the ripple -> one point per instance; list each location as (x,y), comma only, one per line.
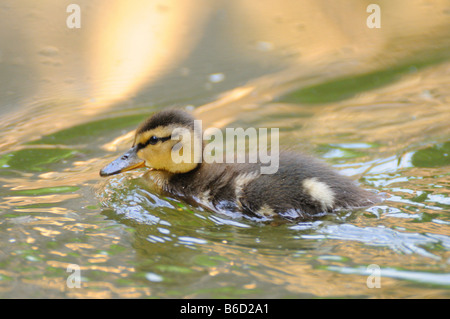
(441,279)
(407,243)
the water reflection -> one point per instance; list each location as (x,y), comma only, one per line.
(237,250)
(398,241)
(373,103)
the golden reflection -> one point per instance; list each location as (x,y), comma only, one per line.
(121,140)
(136,42)
(47,283)
(47,232)
(120,48)
(407,112)
(124,47)
(98,259)
(79,246)
(52,210)
(110,269)
(102,290)
(398,119)
(30,200)
(235,95)
(55,252)
(324,41)
(77,227)
(97,290)
(300,277)
(53,219)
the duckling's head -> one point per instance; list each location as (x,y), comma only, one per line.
(165,141)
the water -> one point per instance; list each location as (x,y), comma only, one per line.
(379,114)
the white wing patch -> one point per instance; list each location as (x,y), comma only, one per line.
(319,191)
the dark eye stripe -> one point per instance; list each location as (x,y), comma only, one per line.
(152,141)
(163,139)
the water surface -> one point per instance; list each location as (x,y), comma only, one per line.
(375,106)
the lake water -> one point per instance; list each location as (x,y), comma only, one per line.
(373,103)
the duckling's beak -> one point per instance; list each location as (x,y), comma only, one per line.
(126,162)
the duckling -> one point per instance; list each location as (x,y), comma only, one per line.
(302,188)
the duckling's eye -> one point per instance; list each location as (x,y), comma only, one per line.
(153,140)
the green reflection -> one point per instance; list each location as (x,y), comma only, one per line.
(434,156)
(36,159)
(227,292)
(174,269)
(347,87)
(78,134)
(209,261)
(47,190)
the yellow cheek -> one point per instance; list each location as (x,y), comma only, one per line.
(154,156)
(159,157)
